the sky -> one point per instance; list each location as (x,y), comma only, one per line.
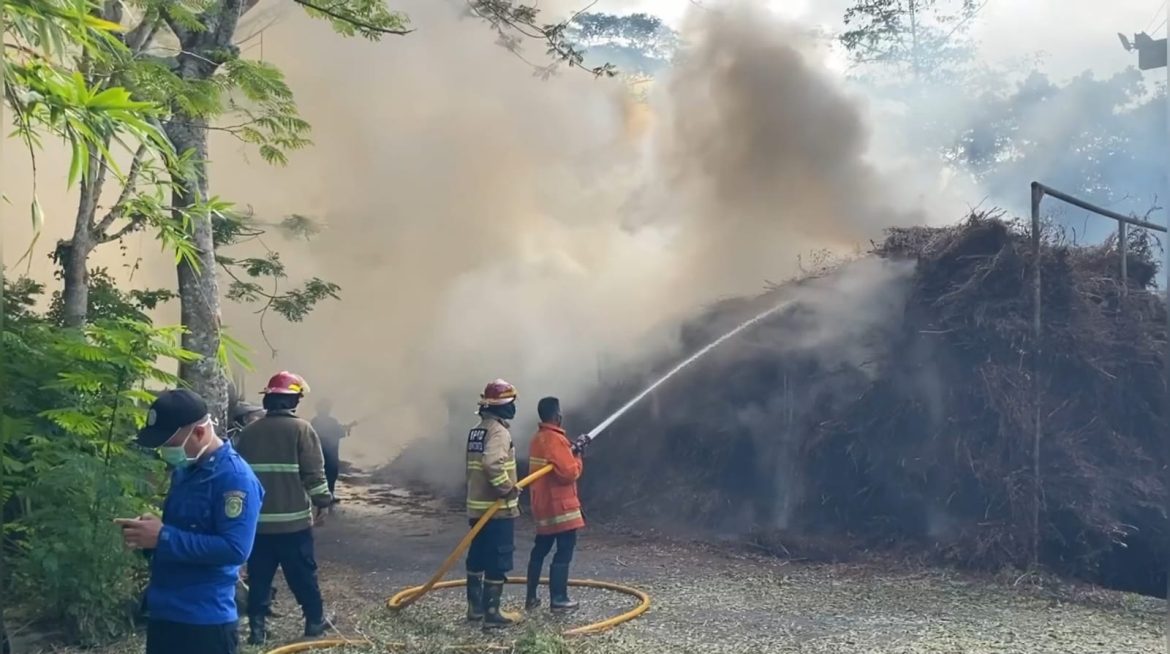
(1074,35)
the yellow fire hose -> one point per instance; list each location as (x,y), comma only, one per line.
(408,596)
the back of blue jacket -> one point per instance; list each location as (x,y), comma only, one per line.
(209,524)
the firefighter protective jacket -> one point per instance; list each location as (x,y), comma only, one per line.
(285,454)
(491,469)
(209,524)
(555,506)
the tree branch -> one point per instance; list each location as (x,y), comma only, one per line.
(350,19)
(119,208)
(136,221)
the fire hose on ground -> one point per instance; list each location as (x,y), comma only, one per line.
(408,596)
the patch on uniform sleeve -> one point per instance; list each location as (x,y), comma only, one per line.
(233,504)
(475,439)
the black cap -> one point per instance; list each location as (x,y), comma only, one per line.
(171,411)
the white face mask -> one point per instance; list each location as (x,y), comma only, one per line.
(176,455)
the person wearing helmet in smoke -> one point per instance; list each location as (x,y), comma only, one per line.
(491,476)
(285,453)
(331,431)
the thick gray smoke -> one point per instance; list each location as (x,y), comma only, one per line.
(485,223)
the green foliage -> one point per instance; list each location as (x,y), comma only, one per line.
(72,403)
(515,22)
(370,19)
(106,299)
(926,38)
(542,642)
(638,43)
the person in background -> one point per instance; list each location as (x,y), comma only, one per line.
(206,532)
(285,453)
(491,476)
(331,431)
(243,414)
(555,506)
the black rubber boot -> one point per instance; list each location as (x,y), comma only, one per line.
(475,597)
(493,617)
(532,601)
(317,628)
(257,634)
(558,583)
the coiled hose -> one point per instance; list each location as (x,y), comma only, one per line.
(408,596)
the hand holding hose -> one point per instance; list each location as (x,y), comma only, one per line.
(580,444)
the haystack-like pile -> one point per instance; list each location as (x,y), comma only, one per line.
(917,431)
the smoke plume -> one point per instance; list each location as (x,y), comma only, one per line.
(485,223)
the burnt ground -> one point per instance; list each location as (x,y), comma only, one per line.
(707,598)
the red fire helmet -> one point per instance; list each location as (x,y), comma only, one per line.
(498,393)
(286,383)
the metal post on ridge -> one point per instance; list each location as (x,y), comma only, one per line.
(1039,192)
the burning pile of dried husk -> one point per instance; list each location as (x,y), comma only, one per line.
(927,446)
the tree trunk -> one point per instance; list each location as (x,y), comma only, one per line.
(199,287)
(201,53)
(73,255)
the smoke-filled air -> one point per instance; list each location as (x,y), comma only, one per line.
(485,223)
(822,327)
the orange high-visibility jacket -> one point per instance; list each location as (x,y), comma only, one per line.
(555,506)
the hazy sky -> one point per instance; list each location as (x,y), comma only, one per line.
(1074,34)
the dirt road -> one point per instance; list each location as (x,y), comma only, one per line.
(710,599)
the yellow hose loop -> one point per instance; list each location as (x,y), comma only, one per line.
(596,627)
(419,591)
(310,645)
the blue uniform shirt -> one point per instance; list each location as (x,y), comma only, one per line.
(209,524)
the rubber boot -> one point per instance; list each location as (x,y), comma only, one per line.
(532,601)
(475,597)
(317,628)
(493,617)
(257,633)
(558,583)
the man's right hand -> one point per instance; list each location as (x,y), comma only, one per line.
(318,516)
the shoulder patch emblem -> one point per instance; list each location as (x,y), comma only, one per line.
(233,504)
(475,440)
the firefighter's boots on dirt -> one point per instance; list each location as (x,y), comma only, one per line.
(317,628)
(493,617)
(558,583)
(532,601)
(475,597)
(257,633)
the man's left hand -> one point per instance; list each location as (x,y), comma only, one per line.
(142,533)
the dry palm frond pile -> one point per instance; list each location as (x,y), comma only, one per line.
(899,411)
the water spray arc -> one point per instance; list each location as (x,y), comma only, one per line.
(408,596)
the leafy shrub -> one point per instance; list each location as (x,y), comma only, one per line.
(73,401)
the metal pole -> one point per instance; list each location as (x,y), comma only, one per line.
(1166,294)
(1123,248)
(1037,196)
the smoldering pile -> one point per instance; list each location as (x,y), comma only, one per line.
(915,430)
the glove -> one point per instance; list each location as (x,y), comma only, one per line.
(512,494)
(579,444)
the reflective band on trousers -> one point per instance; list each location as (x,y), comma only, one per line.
(560,519)
(275,467)
(535,464)
(286,517)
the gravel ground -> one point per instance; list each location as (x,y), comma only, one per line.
(705,598)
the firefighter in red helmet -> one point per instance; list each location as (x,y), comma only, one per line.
(491,476)
(285,453)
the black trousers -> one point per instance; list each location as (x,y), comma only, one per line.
(566,542)
(292,553)
(332,458)
(491,549)
(176,638)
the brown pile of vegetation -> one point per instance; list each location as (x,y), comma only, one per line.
(926,442)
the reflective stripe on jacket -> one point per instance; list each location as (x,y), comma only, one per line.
(285,454)
(491,469)
(555,505)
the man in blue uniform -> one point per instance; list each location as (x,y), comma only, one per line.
(205,535)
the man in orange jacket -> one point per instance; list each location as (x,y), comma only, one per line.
(555,506)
